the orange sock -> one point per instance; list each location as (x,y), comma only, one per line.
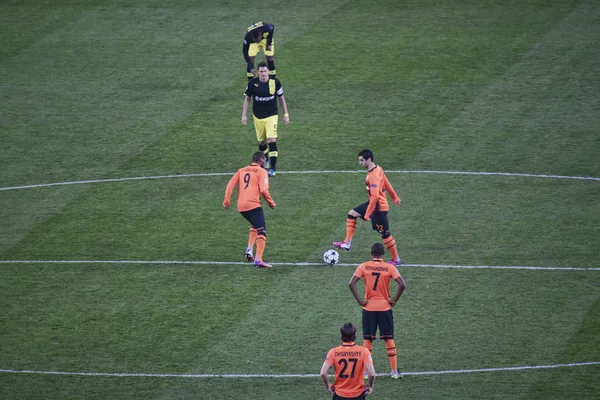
(390,243)
(350,229)
(368,344)
(390,349)
(252,237)
(261,241)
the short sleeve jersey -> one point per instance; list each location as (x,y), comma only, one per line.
(264,97)
(377,275)
(266,29)
(349,361)
(252,182)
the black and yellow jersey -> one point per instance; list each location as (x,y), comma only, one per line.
(267,31)
(264,96)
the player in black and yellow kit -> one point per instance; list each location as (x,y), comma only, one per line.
(265,93)
(259,35)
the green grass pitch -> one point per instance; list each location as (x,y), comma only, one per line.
(138,290)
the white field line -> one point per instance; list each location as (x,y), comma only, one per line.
(295,264)
(138,178)
(147,375)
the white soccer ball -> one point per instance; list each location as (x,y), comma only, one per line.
(331,257)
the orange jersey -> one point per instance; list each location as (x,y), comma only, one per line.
(377,275)
(253,182)
(349,362)
(377,185)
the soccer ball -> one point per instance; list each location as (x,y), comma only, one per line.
(331,257)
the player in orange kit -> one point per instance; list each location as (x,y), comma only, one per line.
(349,361)
(375,209)
(252,182)
(377,305)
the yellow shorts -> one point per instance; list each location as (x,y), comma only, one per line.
(255,48)
(266,128)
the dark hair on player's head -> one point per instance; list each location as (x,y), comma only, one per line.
(348,332)
(259,155)
(262,64)
(377,250)
(366,154)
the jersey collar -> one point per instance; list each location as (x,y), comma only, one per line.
(372,169)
